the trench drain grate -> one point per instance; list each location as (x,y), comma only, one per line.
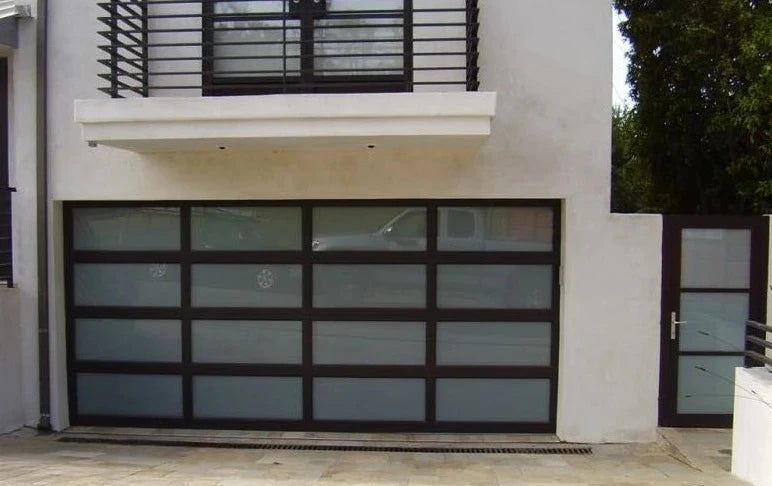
(557,450)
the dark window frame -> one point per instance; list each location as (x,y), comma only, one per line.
(430,314)
(308,81)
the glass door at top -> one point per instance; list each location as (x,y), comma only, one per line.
(344,315)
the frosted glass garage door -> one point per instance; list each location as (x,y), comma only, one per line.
(316,315)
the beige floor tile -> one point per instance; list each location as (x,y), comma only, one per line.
(27,459)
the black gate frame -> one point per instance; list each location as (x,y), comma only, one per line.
(671,288)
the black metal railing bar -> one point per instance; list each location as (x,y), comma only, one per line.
(759,354)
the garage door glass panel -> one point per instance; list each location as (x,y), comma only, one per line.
(369,229)
(136,229)
(275,342)
(129,395)
(494,286)
(715,258)
(245,228)
(493,400)
(248,397)
(371,399)
(357,286)
(495,229)
(236,285)
(706,383)
(127,284)
(369,343)
(493,343)
(713,321)
(128,340)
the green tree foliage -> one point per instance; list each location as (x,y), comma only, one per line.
(701,76)
(630,180)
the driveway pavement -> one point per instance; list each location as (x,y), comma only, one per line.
(689,458)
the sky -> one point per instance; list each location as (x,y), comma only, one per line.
(621,93)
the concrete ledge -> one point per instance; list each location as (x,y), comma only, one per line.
(752,433)
(211,123)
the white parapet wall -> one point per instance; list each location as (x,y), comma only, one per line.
(752,434)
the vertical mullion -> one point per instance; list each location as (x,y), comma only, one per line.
(306,46)
(185,283)
(431,312)
(557,231)
(69,290)
(208,19)
(407,23)
(472,44)
(757,296)
(284,14)
(145,50)
(675,345)
(307,282)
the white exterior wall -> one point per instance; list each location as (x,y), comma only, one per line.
(550,63)
(18,306)
(11,410)
(752,433)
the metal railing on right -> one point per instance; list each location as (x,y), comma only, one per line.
(759,344)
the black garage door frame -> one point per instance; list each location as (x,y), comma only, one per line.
(306,257)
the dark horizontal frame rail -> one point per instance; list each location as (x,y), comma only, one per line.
(140,33)
(758,344)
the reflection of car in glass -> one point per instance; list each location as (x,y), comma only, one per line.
(404,232)
(459,229)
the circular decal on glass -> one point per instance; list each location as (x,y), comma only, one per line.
(265,279)
(157,270)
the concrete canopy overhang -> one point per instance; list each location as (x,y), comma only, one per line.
(457,120)
(10,11)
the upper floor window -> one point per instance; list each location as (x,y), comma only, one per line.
(230,47)
(266,46)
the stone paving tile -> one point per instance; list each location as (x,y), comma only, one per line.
(26,459)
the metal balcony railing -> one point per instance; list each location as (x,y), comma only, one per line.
(759,338)
(235,47)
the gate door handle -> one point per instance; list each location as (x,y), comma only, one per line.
(674,325)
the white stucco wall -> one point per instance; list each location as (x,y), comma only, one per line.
(550,63)
(18,306)
(11,409)
(752,433)
(609,374)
